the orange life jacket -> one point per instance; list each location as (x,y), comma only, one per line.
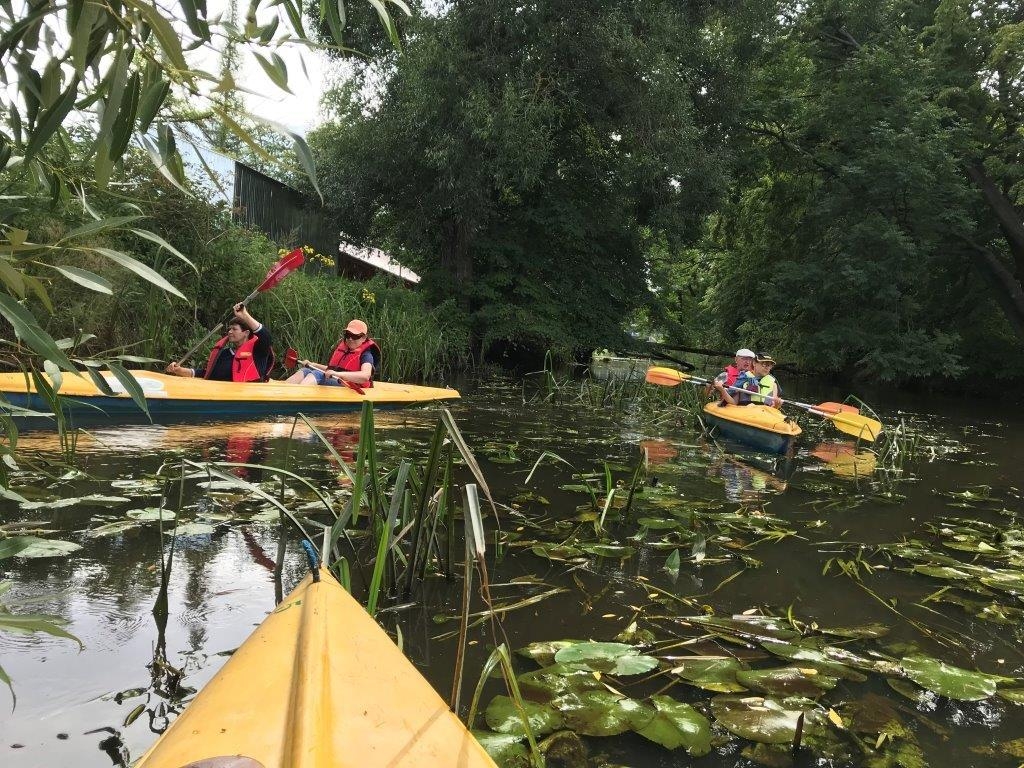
(243,366)
(344,360)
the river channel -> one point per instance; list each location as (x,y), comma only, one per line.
(822,540)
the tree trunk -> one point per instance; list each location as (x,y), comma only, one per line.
(1007,289)
(1005,284)
(456,261)
(1010,222)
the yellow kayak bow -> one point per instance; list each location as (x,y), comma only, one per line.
(318,685)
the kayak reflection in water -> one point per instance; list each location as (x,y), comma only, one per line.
(744,483)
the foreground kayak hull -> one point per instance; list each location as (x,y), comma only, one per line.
(176,396)
(319,685)
(756,426)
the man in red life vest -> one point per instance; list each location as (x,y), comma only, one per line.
(244,354)
(737,377)
(356,359)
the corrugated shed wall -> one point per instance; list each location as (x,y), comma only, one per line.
(282,213)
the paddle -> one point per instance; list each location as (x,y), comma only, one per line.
(291,359)
(284,267)
(851,423)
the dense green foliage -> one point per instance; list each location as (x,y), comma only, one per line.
(307,310)
(522,157)
(852,235)
(837,181)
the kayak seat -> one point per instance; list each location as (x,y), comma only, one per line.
(228,761)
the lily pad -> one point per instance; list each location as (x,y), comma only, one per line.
(141,485)
(787,681)
(149,514)
(556,551)
(612,658)
(759,628)
(544,652)
(711,674)
(1013,695)
(111,529)
(191,529)
(823,659)
(602,713)
(609,550)
(51,504)
(678,725)
(762,720)
(946,680)
(507,751)
(99,498)
(557,680)
(504,716)
(34,547)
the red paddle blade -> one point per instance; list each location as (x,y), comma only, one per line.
(291,358)
(284,267)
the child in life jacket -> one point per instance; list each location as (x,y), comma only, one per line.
(768,385)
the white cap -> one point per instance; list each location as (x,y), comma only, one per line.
(745,353)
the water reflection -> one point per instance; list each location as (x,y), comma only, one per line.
(225,581)
(845,460)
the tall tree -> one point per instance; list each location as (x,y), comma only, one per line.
(522,156)
(977,48)
(848,239)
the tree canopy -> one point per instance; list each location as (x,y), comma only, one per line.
(837,181)
(523,157)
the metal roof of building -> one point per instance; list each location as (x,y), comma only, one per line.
(378,259)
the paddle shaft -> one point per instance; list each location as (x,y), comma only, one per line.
(699,380)
(323,369)
(851,423)
(216,328)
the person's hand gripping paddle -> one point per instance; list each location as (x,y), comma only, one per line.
(291,359)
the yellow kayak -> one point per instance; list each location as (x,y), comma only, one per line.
(174,395)
(318,685)
(757,426)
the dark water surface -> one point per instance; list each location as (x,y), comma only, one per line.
(71,702)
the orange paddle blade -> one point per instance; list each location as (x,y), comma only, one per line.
(664,377)
(861,427)
(831,407)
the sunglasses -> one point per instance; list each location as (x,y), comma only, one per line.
(349,335)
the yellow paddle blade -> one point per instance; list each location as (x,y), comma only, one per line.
(664,377)
(855,424)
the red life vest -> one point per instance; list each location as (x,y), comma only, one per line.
(344,360)
(243,366)
(731,374)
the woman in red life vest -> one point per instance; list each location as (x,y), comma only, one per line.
(243,354)
(356,359)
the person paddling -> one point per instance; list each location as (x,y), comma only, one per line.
(738,376)
(743,363)
(355,360)
(244,354)
(768,385)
